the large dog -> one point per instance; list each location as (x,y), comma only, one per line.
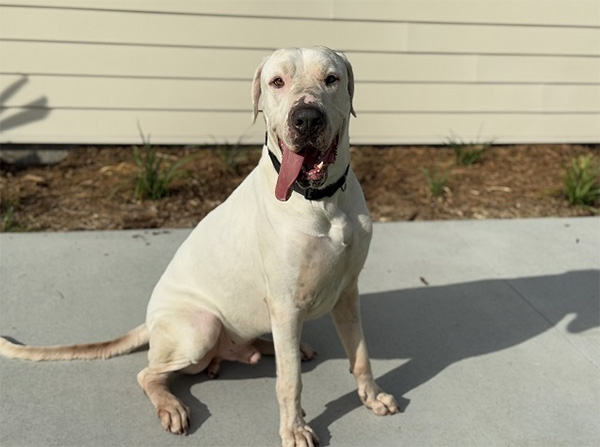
(286,246)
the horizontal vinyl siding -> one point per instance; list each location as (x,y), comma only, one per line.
(91,71)
(42,58)
(570,13)
(371,97)
(188,127)
(113,27)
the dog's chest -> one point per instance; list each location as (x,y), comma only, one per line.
(328,261)
(341,232)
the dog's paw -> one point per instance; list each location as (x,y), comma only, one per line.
(174,417)
(307,352)
(379,402)
(302,436)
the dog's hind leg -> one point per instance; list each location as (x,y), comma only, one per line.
(178,342)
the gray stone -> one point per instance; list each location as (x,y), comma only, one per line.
(33,154)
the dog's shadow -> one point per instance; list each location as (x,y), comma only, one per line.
(434,327)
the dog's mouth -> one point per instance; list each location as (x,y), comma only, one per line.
(308,167)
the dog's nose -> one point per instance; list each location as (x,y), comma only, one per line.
(307,120)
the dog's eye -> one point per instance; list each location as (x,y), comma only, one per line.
(331,79)
(277,82)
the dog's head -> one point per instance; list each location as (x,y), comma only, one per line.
(306,98)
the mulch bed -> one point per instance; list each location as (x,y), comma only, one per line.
(93,188)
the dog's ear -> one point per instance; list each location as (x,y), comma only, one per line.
(256,90)
(350,81)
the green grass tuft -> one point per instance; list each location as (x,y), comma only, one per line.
(8,221)
(436,179)
(582,181)
(153,178)
(468,154)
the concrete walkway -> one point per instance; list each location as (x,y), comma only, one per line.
(487,331)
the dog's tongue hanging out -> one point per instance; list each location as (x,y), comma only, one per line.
(291,164)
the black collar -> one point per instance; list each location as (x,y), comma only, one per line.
(313,193)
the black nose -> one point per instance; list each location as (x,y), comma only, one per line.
(307,120)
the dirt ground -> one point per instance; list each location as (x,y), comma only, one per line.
(93,188)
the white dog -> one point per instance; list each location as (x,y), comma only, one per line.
(286,246)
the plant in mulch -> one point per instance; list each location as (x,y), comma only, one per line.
(154,177)
(468,154)
(436,180)
(582,182)
(230,155)
(8,221)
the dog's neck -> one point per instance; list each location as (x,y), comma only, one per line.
(310,193)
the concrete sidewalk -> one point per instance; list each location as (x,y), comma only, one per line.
(487,331)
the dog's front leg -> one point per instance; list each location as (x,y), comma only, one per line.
(286,326)
(346,315)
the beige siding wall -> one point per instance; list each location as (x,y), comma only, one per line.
(89,71)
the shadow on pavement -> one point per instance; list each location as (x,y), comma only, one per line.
(430,328)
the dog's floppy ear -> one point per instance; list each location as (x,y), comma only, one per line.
(256,90)
(350,81)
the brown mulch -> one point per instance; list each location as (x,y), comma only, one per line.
(93,188)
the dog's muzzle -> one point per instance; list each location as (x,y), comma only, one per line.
(310,151)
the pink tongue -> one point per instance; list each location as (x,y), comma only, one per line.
(291,164)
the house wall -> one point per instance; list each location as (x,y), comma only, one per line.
(84,71)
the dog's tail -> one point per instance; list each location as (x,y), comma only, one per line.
(123,345)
